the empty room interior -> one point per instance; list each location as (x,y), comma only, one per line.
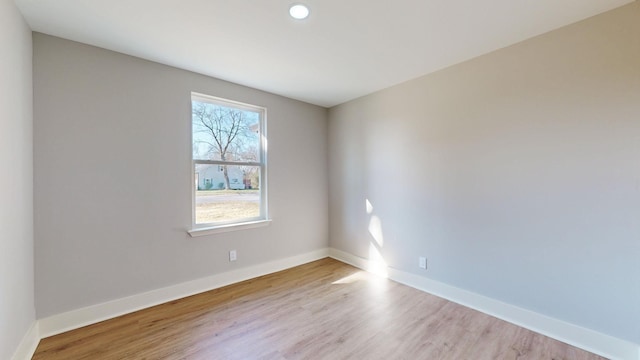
(320,180)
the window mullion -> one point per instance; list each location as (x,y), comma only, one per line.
(220,162)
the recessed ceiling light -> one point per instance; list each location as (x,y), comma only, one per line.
(299,11)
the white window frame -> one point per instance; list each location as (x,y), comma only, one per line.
(246,223)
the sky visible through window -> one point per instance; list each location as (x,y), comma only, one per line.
(227,163)
(224,133)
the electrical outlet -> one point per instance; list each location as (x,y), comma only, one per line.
(422,262)
(233,255)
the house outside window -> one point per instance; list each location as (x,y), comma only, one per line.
(229,162)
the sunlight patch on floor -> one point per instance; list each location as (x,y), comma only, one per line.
(358,276)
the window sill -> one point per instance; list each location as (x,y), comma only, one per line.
(227,228)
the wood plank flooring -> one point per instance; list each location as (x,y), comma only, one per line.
(321,310)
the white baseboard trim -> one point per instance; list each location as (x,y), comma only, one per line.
(589,340)
(583,338)
(29,343)
(74,319)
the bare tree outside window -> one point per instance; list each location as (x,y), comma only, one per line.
(228,135)
(228,160)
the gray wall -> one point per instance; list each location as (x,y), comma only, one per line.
(16,180)
(517,174)
(113,177)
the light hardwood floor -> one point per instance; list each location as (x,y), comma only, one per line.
(321,310)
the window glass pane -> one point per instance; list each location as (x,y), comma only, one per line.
(225,133)
(226,193)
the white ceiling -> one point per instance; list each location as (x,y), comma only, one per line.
(345,49)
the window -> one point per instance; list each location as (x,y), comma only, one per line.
(229,162)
